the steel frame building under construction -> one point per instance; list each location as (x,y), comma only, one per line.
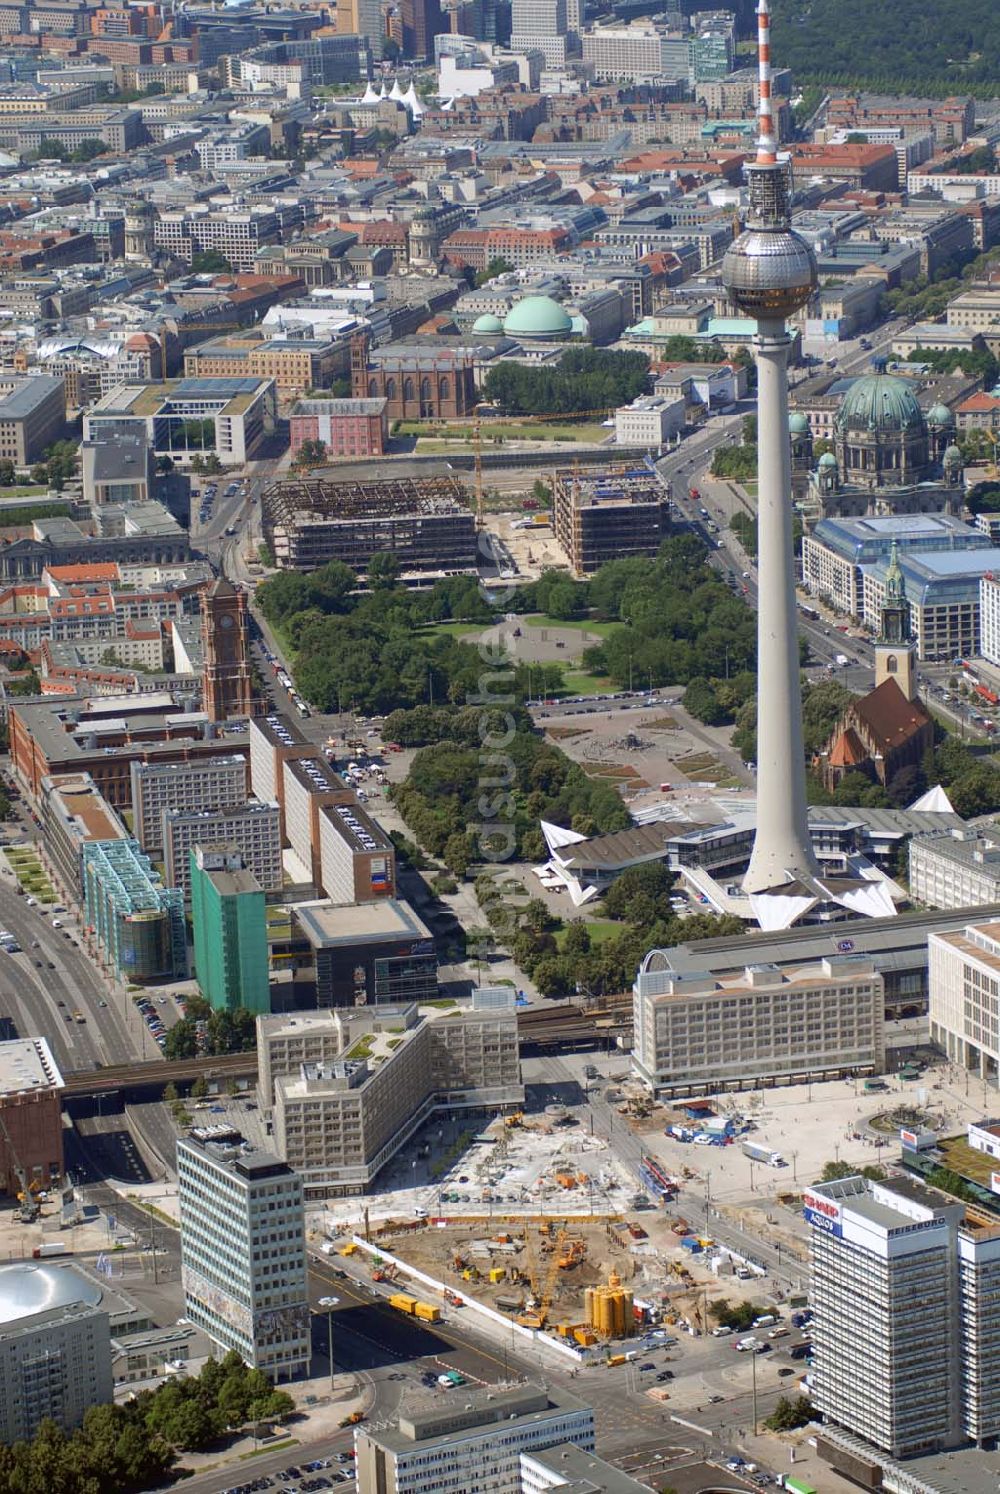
(607,513)
(426,523)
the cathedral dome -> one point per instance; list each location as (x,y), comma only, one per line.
(537,316)
(828,459)
(798,424)
(940,415)
(880,404)
(487,323)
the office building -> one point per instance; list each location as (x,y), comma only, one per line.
(964,983)
(226,688)
(441,1448)
(348,1088)
(571,1469)
(243,1254)
(637,52)
(425,522)
(31,1111)
(185,418)
(55,1361)
(229,925)
(159,788)
(104,735)
(349,428)
(769,1025)
(117,466)
(956,868)
(378,952)
(357,858)
(905,1284)
(32,416)
(137,924)
(989,609)
(601,515)
(73,812)
(650,421)
(837,552)
(253,829)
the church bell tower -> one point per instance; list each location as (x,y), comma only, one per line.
(895,655)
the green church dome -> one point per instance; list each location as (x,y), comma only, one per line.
(940,415)
(828,459)
(487,323)
(879,402)
(537,316)
(798,424)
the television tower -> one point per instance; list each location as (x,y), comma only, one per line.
(770,273)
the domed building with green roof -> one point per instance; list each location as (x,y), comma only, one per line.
(888,458)
(539,318)
(488,325)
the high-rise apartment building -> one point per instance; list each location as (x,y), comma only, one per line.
(441,1449)
(243,1254)
(229,923)
(907,1287)
(54,1363)
(157,787)
(254,829)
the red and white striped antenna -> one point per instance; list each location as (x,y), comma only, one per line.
(767,145)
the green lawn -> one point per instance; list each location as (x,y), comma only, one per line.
(579,682)
(600,930)
(454,629)
(582,624)
(452,436)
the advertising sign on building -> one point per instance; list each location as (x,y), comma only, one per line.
(821,1213)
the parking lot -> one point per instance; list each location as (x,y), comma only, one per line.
(305,1478)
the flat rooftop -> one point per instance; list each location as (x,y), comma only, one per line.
(358,829)
(280,731)
(326,925)
(27,1064)
(315,775)
(422,1419)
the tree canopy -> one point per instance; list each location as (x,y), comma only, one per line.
(585,378)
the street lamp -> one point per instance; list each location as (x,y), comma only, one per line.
(329,1303)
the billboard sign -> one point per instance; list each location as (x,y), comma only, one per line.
(822,1213)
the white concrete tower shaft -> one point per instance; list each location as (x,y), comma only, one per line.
(782,846)
(770,273)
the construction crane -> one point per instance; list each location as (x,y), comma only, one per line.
(30,1208)
(538,1315)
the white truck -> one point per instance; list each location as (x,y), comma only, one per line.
(759,1152)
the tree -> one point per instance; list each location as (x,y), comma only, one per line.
(170,1093)
(497,266)
(164,465)
(701,702)
(457,854)
(735,1315)
(88,149)
(181,1040)
(789,1414)
(199,1088)
(383,569)
(311,454)
(210,262)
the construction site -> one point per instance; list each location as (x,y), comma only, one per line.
(427,523)
(608,514)
(576,1253)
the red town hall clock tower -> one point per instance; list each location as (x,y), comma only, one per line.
(226,686)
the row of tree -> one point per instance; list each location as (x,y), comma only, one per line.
(125,1448)
(202,1029)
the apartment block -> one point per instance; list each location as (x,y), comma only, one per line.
(161,788)
(769,1025)
(310,786)
(357,858)
(956,868)
(275,740)
(253,829)
(443,1448)
(243,1254)
(54,1365)
(906,1284)
(348,1088)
